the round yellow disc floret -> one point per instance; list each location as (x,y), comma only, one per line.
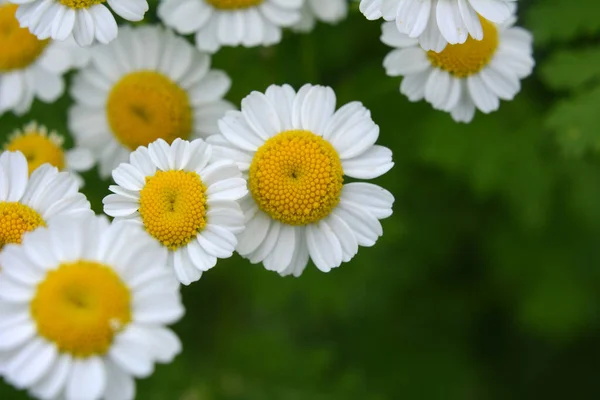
(145,106)
(234,4)
(173,207)
(38,148)
(18,47)
(80,306)
(15,220)
(77,4)
(470,57)
(296,177)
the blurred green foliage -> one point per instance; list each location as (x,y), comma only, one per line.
(485,283)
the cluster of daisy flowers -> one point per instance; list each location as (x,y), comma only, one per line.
(85,299)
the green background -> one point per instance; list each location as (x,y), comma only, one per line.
(485,283)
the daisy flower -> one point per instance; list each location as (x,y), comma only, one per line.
(85,20)
(296,149)
(84,306)
(40,146)
(30,67)
(185,201)
(27,203)
(331,11)
(439,22)
(463,77)
(219,23)
(147,84)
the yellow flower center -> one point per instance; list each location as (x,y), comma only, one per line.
(38,149)
(296,177)
(145,106)
(173,207)
(15,220)
(234,4)
(19,47)
(462,60)
(80,307)
(77,4)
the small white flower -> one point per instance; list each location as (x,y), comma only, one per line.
(219,23)
(83,309)
(85,20)
(185,201)
(296,149)
(439,22)
(27,203)
(147,84)
(330,11)
(30,67)
(463,77)
(40,146)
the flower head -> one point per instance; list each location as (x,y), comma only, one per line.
(435,23)
(184,200)
(84,20)
(462,77)
(40,146)
(30,202)
(30,67)
(298,150)
(84,308)
(148,84)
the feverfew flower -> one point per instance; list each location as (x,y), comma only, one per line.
(184,200)
(297,149)
(147,84)
(463,77)
(29,202)
(439,22)
(40,146)
(30,67)
(83,309)
(85,20)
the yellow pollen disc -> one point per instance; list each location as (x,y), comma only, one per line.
(19,48)
(77,4)
(145,106)
(173,207)
(234,4)
(15,220)
(80,307)
(296,177)
(462,60)
(38,149)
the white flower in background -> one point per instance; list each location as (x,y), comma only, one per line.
(84,306)
(439,22)
(147,84)
(463,77)
(330,11)
(185,201)
(40,146)
(296,149)
(30,67)
(27,203)
(85,20)
(218,23)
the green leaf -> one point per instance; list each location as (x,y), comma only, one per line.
(576,122)
(571,69)
(562,20)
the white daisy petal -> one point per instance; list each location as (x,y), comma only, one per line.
(87,379)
